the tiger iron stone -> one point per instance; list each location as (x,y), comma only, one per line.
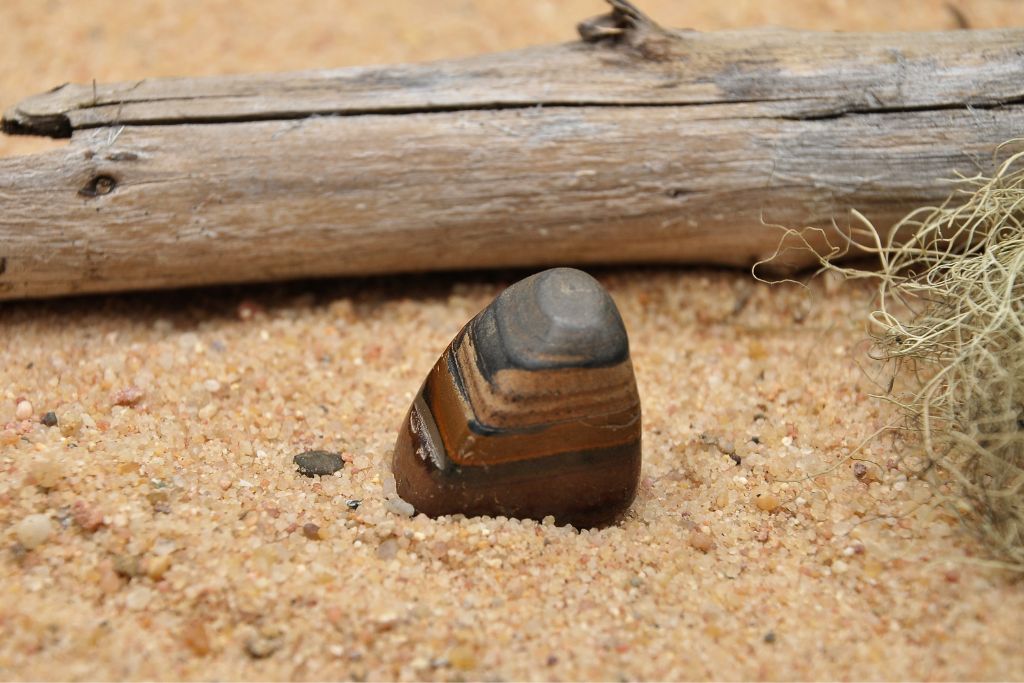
(531,411)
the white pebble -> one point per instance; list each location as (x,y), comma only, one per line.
(188,340)
(139,598)
(33,531)
(400,507)
(23,411)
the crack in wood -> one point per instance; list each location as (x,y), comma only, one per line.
(50,127)
(60,126)
(867,111)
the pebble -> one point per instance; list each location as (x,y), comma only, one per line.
(23,411)
(247,309)
(701,541)
(462,658)
(49,419)
(157,567)
(400,507)
(45,472)
(139,598)
(33,531)
(196,638)
(767,502)
(160,499)
(318,463)
(387,480)
(259,647)
(311,531)
(71,421)
(128,566)
(109,582)
(87,518)
(128,396)
(388,549)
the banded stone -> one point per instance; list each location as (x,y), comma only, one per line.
(531,411)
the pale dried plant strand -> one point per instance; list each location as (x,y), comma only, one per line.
(950,320)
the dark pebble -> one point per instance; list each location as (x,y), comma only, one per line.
(18,552)
(353,504)
(127,566)
(261,648)
(49,419)
(769,637)
(318,463)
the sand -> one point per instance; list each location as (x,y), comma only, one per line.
(159,528)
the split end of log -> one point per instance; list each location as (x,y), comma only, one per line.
(52,125)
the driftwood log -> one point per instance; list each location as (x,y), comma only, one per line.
(636,144)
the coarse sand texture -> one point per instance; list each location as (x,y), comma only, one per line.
(171,532)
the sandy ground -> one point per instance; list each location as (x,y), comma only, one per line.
(175,542)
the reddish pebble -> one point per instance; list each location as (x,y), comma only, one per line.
(248,309)
(87,518)
(128,396)
(336,616)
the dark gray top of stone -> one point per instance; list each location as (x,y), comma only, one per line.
(559,318)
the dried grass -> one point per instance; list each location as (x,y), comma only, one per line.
(948,322)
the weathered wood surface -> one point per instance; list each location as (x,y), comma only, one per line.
(635,145)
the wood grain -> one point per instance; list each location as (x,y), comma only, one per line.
(636,144)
